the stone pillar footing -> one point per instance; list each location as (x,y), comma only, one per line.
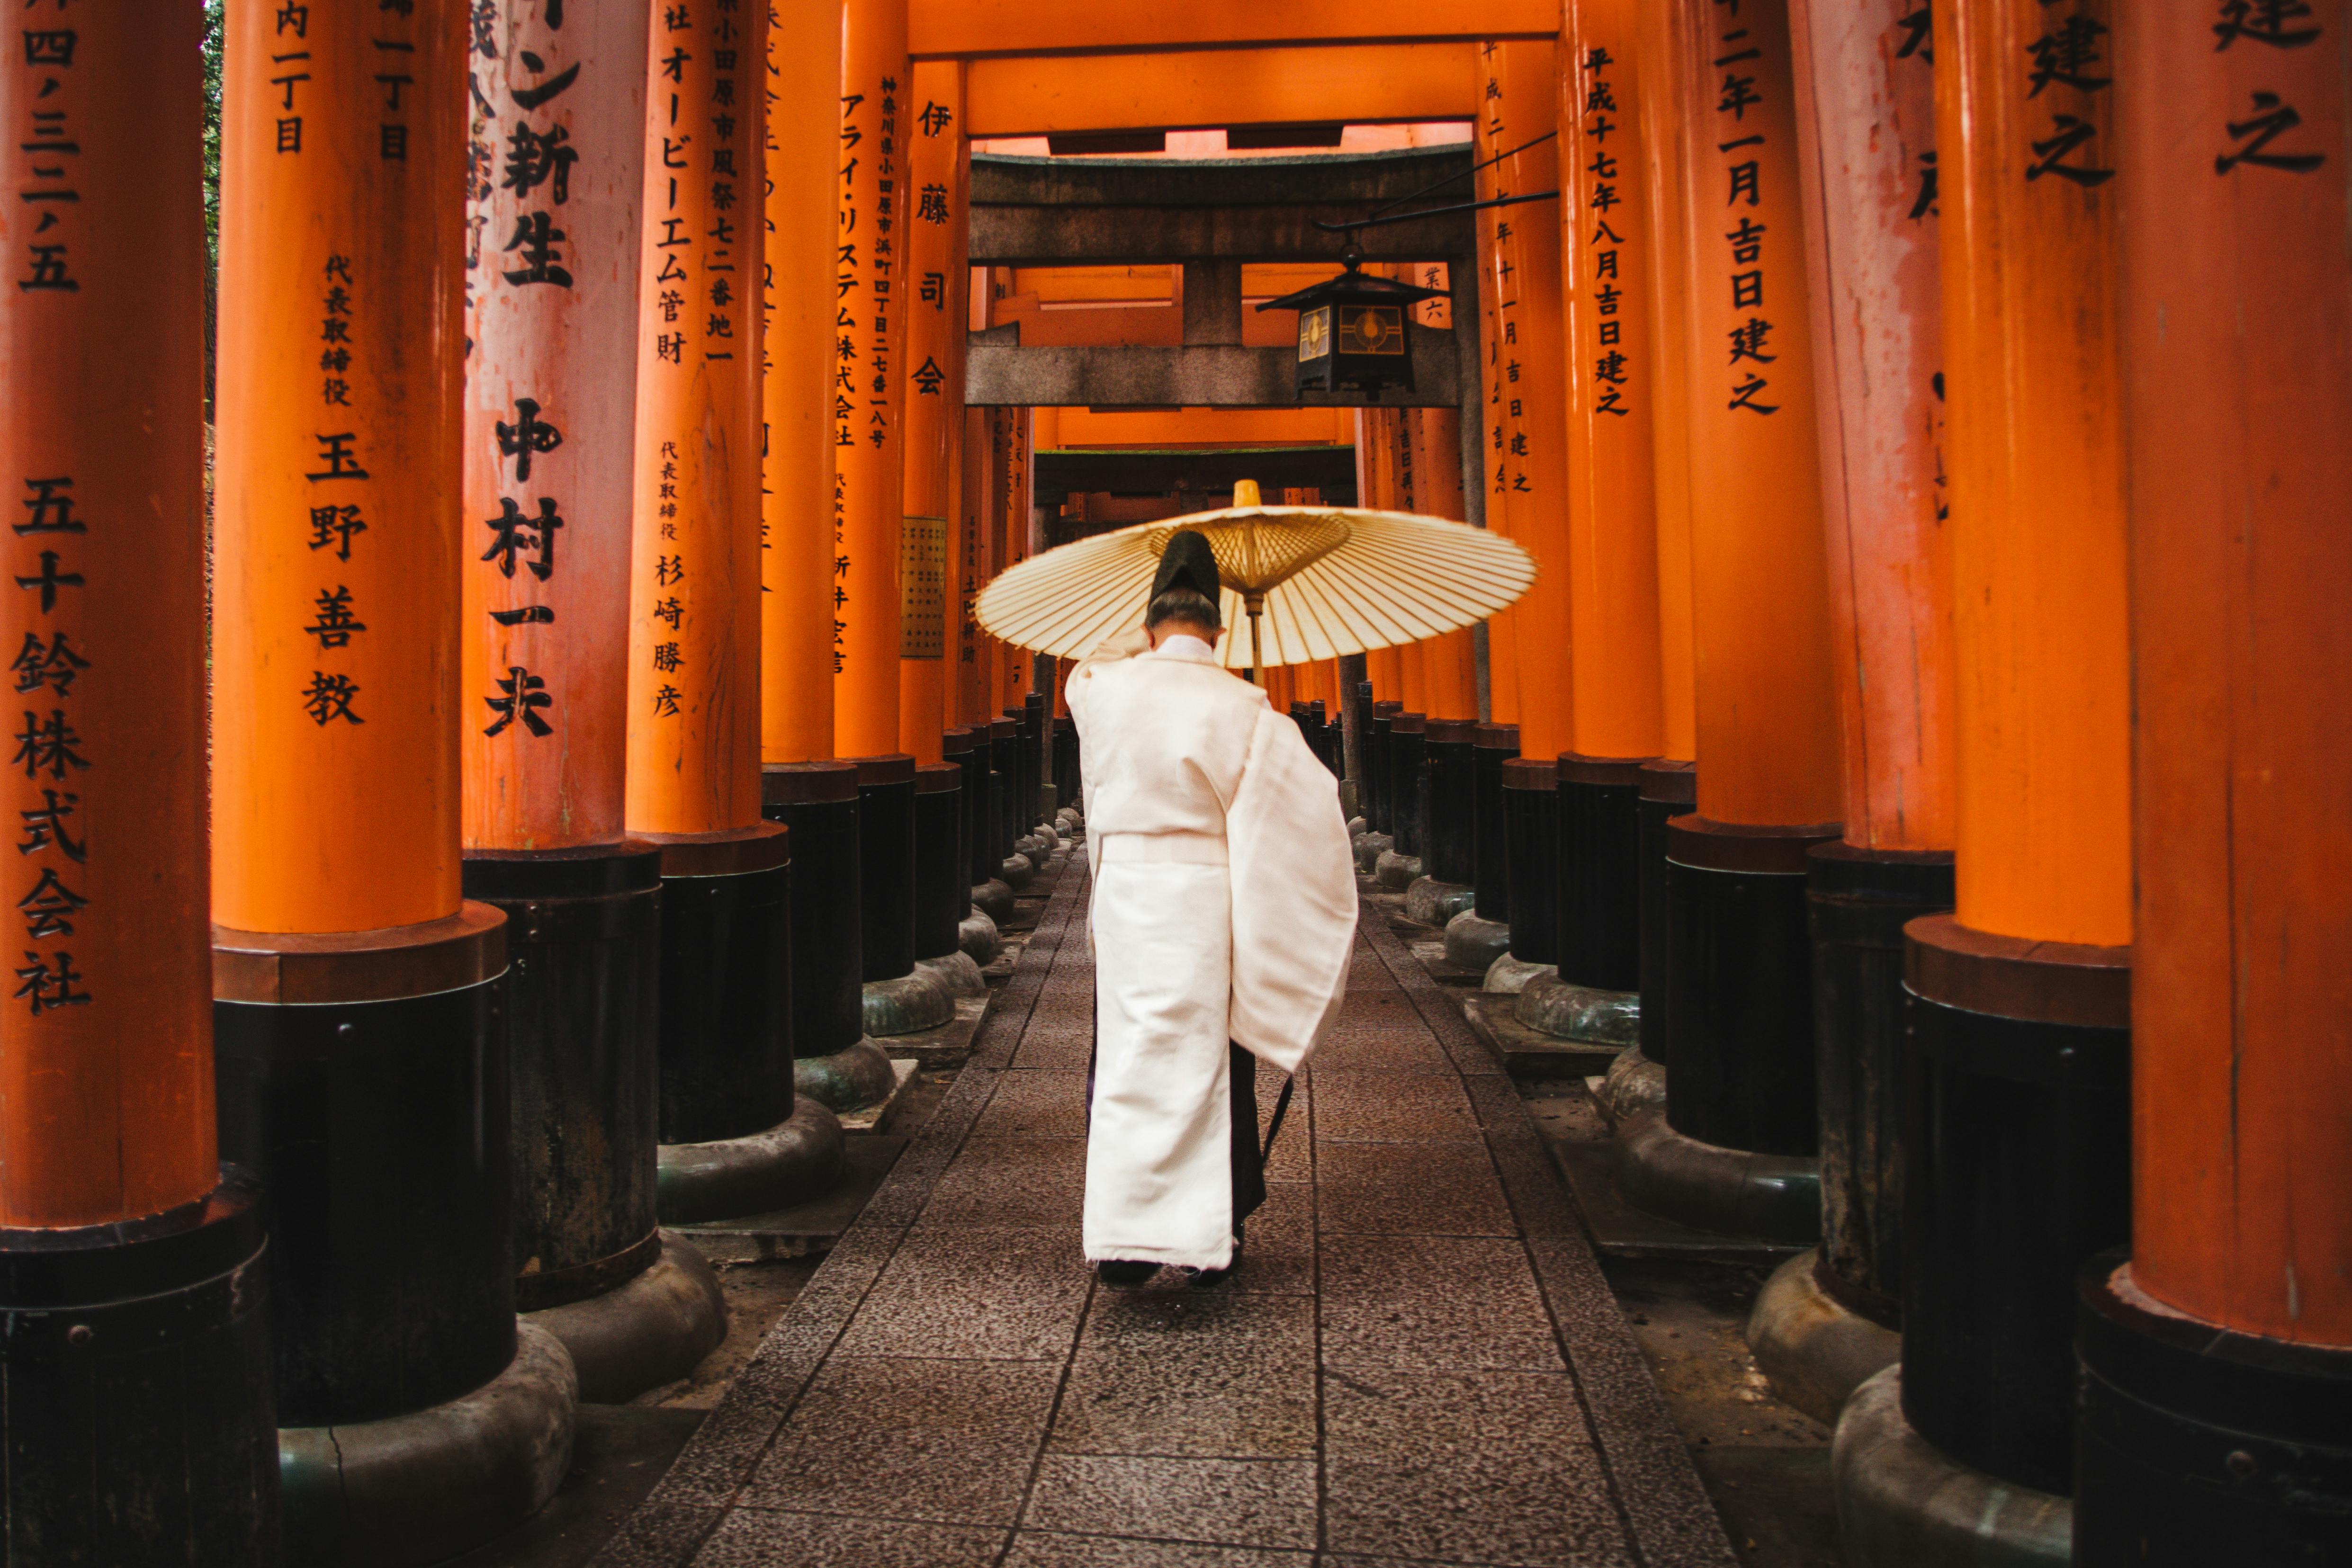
(1634,1085)
(1017,872)
(847,1079)
(993,898)
(1901,1502)
(656,1328)
(1815,1349)
(1434,903)
(1736,1192)
(1474,942)
(1564,1010)
(1395,872)
(958,971)
(1035,848)
(791,1162)
(1509,974)
(907,1004)
(1369,848)
(978,938)
(419,1488)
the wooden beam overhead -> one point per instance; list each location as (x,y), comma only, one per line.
(977,29)
(1208,89)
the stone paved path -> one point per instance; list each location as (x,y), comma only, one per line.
(1418,1360)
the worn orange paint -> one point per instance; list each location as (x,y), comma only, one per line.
(1767,704)
(2235,319)
(939,164)
(1501,506)
(1868,129)
(1520,96)
(553,775)
(1449,663)
(695,610)
(968,685)
(106,1089)
(1032,96)
(331,816)
(797,515)
(982,27)
(2033,370)
(1612,533)
(1663,122)
(875,299)
(1386,671)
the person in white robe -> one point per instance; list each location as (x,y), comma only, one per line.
(1222,917)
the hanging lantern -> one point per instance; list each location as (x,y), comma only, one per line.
(1355,331)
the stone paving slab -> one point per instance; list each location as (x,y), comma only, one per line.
(1416,1361)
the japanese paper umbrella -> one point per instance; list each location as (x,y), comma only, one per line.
(1315,582)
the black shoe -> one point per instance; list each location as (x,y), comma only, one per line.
(1121,1274)
(1209,1278)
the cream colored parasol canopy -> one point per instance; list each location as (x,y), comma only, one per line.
(1301,583)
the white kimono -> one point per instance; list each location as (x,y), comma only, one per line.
(1223,909)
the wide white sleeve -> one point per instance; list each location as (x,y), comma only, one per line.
(1293,893)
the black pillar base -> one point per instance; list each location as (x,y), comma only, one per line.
(942,892)
(886,862)
(2017,1170)
(583,1030)
(1451,853)
(1379,810)
(1599,877)
(967,747)
(2200,1444)
(1065,762)
(365,1080)
(1531,842)
(1859,900)
(583,930)
(1668,790)
(1409,785)
(1492,745)
(1740,1051)
(136,1396)
(381,1128)
(817,803)
(1004,787)
(725,984)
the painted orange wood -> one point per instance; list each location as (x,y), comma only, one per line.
(1043,27)
(874,301)
(1664,122)
(968,685)
(2032,367)
(1501,506)
(1520,102)
(1767,704)
(695,610)
(932,387)
(1612,531)
(2238,340)
(337,569)
(550,406)
(797,517)
(1868,129)
(1032,96)
(106,1043)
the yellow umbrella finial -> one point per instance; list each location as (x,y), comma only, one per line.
(1246,493)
